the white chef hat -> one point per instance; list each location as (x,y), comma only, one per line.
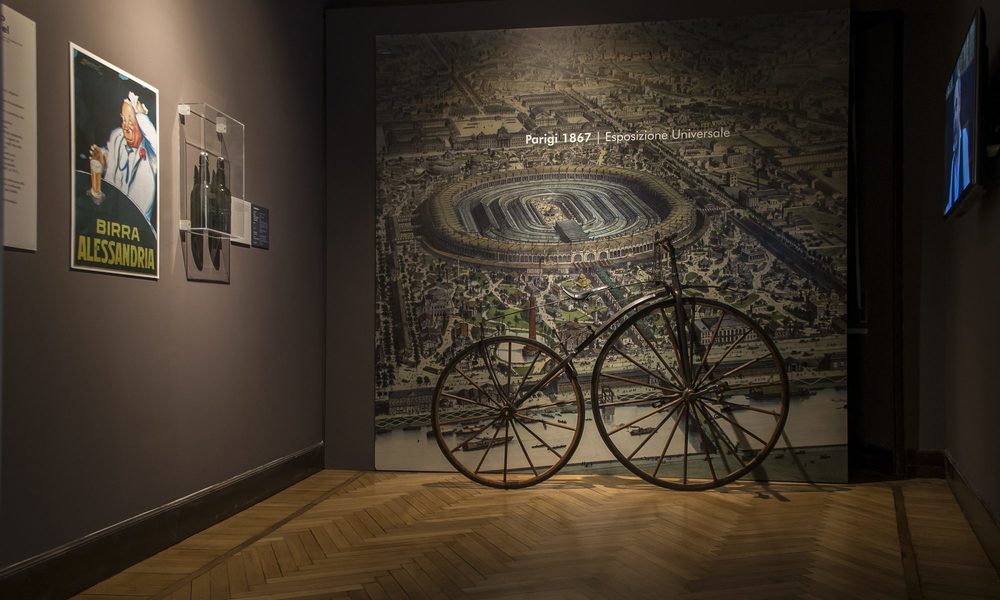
(142,118)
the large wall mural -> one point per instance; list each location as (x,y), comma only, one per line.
(513,163)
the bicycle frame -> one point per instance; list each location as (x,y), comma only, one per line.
(668,290)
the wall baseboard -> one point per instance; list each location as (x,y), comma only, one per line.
(983,523)
(73,567)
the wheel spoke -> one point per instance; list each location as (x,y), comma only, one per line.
(537,406)
(510,364)
(476,385)
(670,438)
(523,449)
(708,348)
(535,435)
(725,387)
(743,406)
(539,385)
(691,328)
(467,419)
(550,423)
(723,415)
(687,427)
(745,365)
(506,443)
(675,382)
(673,338)
(474,436)
(717,431)
(714,428)
(467,400)
(524,379)
(652,433)
(639,383)
(644,417)
(639,401)
(489,367)
(704,443)
(488,448)
(724,356)
(656,352)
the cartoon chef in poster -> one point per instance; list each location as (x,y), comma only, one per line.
(129,159)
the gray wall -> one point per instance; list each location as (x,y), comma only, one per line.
(959,258)
(350,223)
(123,394)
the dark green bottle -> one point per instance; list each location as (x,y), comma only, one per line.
(218,212)
(222,197)
(198,198)
(200,193)
(195,197)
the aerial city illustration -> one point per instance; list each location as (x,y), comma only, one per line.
(515,164)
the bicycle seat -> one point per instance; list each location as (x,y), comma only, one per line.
(585,293)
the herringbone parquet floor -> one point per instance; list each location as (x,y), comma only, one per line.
(406,535)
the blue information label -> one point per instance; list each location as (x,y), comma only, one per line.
(259,227)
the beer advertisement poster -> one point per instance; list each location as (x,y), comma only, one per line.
(115,146)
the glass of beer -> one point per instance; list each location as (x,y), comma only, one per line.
(96,170)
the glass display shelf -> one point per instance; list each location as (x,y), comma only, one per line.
(212,168)
(212,173)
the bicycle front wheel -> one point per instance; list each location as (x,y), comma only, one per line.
(690,403)
(507,413)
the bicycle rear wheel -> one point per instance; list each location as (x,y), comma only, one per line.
(506,414)
(692,405)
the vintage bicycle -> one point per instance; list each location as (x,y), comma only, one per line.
(687,392)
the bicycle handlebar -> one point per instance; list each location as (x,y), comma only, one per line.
(580,296)
(668,244)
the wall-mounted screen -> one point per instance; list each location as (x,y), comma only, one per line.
(515,164)
(962,120)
